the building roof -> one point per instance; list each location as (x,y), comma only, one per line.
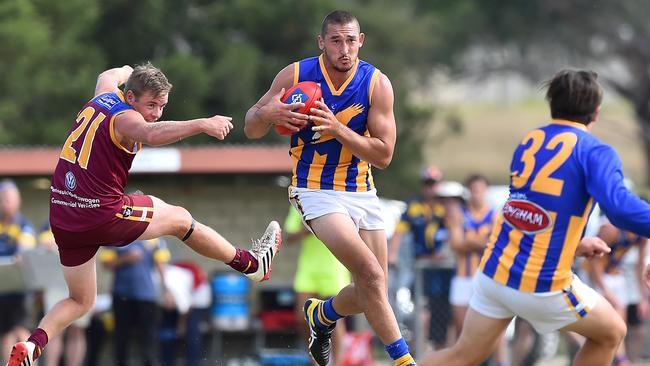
(172,160)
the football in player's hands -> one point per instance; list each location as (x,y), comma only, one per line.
(307,92)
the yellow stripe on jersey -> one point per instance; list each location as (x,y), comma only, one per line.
(371,180)
(363,168)
(535,262)
(316,170)
(564,122)
(296,72)
(296,152)
(563,275)
(116,142)
(496,231)
(508,256)
(341,172)
(373,81)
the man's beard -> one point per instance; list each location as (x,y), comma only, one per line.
(340,69)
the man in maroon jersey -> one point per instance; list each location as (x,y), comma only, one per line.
(88,206)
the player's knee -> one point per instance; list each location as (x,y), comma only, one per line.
(371,276)
(181,223)
(613,334)
(617,333)
(85,301)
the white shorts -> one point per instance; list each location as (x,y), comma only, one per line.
(362,207)
(460,291)
(546,311)
(616,285)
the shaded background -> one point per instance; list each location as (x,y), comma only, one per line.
(445,59)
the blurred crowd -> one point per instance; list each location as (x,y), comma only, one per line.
(159,309)
(445,229)
(155,307)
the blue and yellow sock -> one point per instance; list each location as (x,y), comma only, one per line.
(325,315)
(399,352)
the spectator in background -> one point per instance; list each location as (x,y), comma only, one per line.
(74,349)
(607,277)
(134,296)
(319,274)
(478,219)
(16,235)
(637,309)
(192,296)
(433,221)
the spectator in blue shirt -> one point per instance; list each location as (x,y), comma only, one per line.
(135,295)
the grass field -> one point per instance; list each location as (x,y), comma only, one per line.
(490,132)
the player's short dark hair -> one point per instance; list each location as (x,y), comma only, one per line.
(476,178)
(339,17)
(147,78)
(574,95)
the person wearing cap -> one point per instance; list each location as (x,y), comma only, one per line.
(434,218)
(16,235)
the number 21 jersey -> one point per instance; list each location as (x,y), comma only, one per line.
(92,171)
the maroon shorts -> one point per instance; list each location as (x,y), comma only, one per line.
(128,223)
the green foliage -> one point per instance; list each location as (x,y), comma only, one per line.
(221,56)
(47,69)
(536,38)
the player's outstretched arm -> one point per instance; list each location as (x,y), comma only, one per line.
(377,149)
(270,110)
(132,126)
(605,183)
(110,80)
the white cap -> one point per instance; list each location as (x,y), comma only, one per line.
(450,189)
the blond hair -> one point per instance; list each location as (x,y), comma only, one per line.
(147,78)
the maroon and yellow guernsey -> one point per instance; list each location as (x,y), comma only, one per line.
(92,171)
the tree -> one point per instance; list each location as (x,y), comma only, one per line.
(537,37)
(47,64)
(219,55)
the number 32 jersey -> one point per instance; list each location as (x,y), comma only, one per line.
(557,173)
(92,171)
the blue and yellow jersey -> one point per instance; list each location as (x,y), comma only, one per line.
(45,234)
(319,160)
(16,235)
(477,227)
(556,174)
(134,280)
(626,240)
(425,222)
